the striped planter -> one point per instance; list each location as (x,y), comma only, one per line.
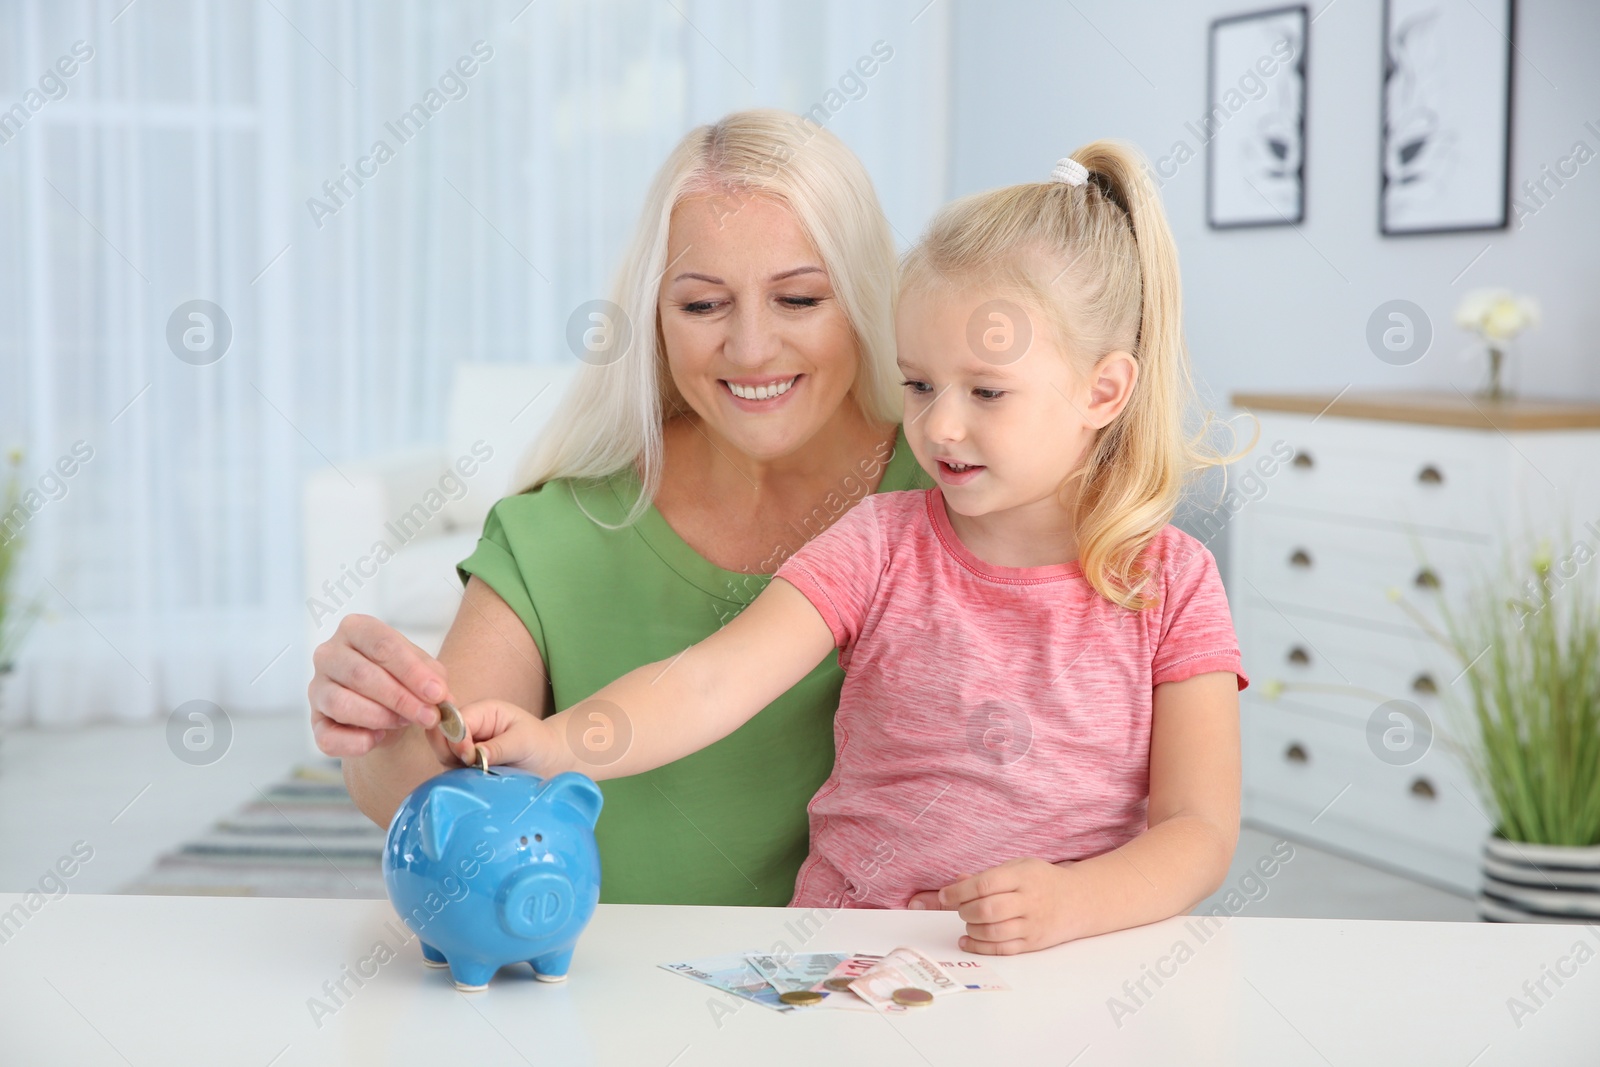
(1539,883)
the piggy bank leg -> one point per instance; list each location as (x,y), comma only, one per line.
(432,956)
(552,966)
(471,976)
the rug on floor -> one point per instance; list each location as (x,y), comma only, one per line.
(304,838)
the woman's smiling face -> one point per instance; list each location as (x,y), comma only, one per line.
(755,339)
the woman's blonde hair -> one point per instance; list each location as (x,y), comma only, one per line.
(612,416)
(1097,261)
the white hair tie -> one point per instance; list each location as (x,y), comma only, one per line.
(1069,171)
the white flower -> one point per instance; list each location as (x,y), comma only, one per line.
(1475,305)
(1496,315)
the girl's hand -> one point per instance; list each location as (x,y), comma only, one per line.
(508,733)
(1020,906)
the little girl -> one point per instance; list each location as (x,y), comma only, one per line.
(1039,719)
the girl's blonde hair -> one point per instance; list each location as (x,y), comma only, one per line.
(613,414)
(1098,262)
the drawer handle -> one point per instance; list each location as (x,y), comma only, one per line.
(1295,754)
(1299,558)
(1303,460)
(1423,788)
(1427,579)
(1430,475)
(1299,656)
(1424,683)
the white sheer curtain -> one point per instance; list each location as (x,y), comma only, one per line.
(179,161)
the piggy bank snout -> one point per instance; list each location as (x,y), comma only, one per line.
(536,903)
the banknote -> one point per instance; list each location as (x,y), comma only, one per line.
(973,974)
(850,981)
(854,966)
(837,983)
(903,968)
(797,970)
(731,974)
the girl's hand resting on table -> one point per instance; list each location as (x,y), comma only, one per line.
(1020,906)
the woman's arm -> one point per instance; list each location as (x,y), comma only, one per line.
(488,652)
(1181,858)
(663,711)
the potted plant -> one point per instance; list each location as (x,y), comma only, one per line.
(1529,642)
(15,615)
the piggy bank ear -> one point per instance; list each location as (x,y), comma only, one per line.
(576,791)
(440,813)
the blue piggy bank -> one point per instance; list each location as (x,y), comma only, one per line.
(494,867)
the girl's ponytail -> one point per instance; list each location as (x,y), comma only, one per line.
(1134,474)
(1119,177)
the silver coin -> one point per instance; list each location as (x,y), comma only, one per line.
(483,759)
(451,724)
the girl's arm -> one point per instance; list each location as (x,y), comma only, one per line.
(664,711)
(1183,856)
(1193,814)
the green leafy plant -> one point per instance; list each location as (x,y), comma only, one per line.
(15,615)
(1529,639)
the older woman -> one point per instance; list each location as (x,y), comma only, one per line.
(757,401)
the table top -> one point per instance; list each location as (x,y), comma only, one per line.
(87,980)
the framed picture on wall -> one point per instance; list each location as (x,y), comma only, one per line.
(1446,158)
(1255,121)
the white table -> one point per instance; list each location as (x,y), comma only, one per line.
(121,980)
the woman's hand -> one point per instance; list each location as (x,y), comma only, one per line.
(370,683)
(509,734)
(1020,906)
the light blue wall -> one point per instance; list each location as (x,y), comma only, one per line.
(1267,309)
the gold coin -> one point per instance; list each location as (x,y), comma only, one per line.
(483,759)
(801,997)
(912,997)
(451,724)
(837,985)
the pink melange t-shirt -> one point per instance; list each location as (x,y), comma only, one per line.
(988,713)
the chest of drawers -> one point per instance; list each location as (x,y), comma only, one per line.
(1344,501)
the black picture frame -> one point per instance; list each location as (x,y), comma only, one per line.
(1228,206)
(1401,139)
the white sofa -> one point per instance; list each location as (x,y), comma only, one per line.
(424,505)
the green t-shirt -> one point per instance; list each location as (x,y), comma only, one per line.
(727,824)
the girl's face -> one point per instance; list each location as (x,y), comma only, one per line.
(755,340)
(994,410)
